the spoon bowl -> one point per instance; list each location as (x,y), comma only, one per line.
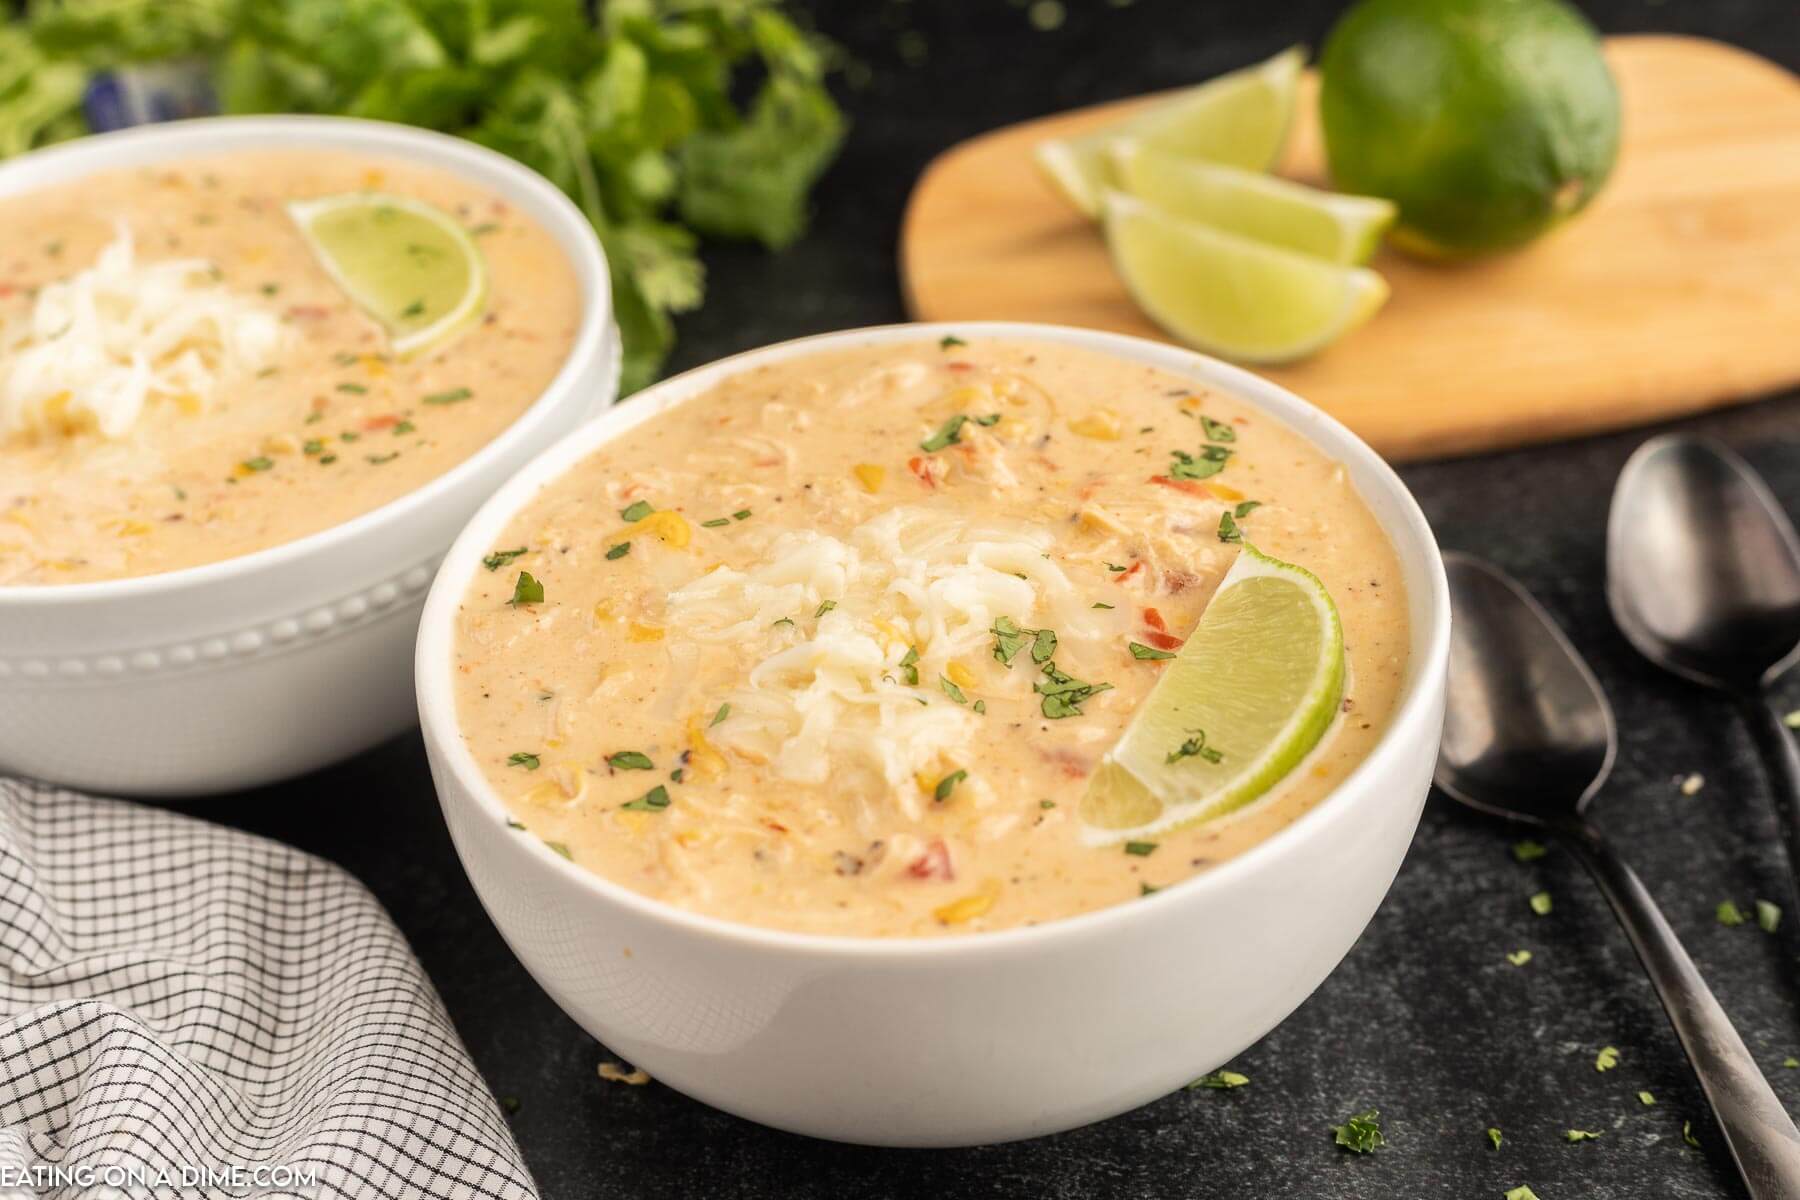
(1703,566)
(1528,734)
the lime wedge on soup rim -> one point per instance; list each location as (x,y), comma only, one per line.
(1328,225)
(1240,118)
(409,265)
(1233,295)
(1245,700)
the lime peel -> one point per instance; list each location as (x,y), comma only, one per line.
(1232,295)
(409,265)
(1240,118)
(1263,674)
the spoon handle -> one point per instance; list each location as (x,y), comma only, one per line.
(1781,758)
(1757,1128)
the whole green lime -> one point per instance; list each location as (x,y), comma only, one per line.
(1486,121)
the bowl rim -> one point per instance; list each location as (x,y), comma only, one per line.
(1412,717)
(510,180)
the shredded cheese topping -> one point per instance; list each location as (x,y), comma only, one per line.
(96,348)
(830,624)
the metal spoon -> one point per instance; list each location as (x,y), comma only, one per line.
(1703,577)
(1529,736)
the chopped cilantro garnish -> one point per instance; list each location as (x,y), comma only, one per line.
(654,800)
(1209,462)
(414,309)
(562,849)
(1580,1135)
(1098,604)
(1043,646)
(948,783)
(630,760)
(715,522)
(1518,958)
(980,706)
(676,774)
(1790,1062)
(523,758)
(1194,747)
(1494,1136)
(1607,1059)
(1150,653)
(619,551)
(261,462)
(1145,889)
(1768,916)
(349,435)
(355,389)
(404,427)
(483,229)
(637,510)
(824,607)
(1245,508)
(512,824)
(1063,695)
(951,690)
(949,340)
(1217,431)
(1728,913)
(1228,530)
(500,558)
(742,514)
(1361,1133)
(1540,903)
(378,459)
(724,711)
(988,419)
(909,667)
(780,621)
(327,460)
(312,446)
(1687,1135)
(1646,1099)
(527,590)
(1046,804)
(1009,639)
(1140,849)
(1115,568)
(1521,1193)
(453,396)
(1528,850)
(948,434)
(1218,1080)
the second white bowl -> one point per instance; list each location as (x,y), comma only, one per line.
(256,668)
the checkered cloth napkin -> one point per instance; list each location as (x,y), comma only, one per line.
(178,997)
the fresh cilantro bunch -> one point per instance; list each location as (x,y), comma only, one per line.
(664,120)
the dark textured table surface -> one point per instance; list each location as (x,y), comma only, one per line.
(1425,1020)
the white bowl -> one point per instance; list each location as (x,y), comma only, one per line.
(255,668)
(957,1040)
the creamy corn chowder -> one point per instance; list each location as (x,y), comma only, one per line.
(758,657)
(182,381)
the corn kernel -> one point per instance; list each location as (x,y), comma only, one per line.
(373,365)
(189,403)
(959,674)
(1102,425)
(703,757)
(281,443)
(966,909)
(688,837)
(604,611)
(130,527)
(643,633)
(545,793)
(670,527)
(1224,492)
(870,476)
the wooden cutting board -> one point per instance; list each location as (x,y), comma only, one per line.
(1678,289)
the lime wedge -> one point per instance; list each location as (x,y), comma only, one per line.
(1230,294)
(1240,118)
(1245,700)
(1342,229)
(409,265)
